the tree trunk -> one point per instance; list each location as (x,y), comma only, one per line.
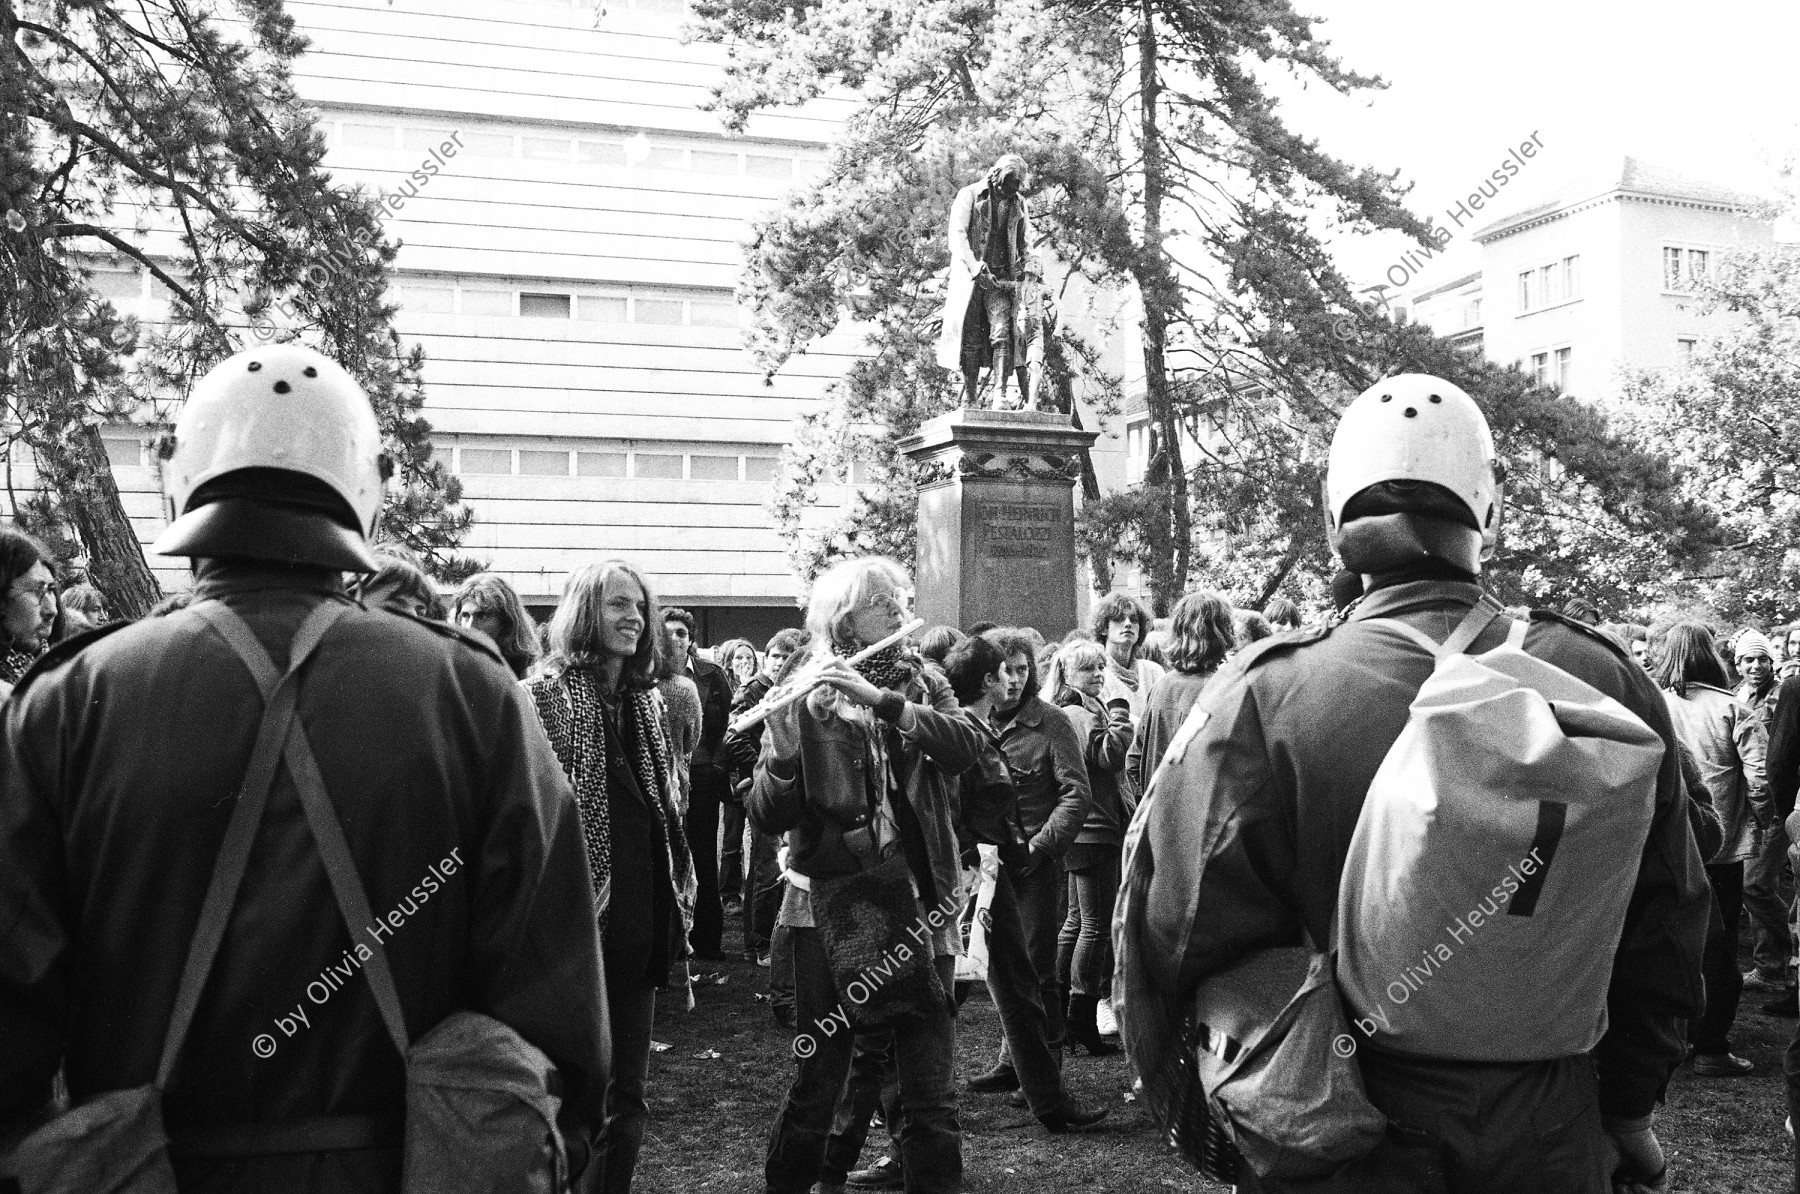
(1156,285)
(77,472)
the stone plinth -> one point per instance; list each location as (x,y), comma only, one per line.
(997,518)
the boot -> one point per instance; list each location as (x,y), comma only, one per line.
(998,1080)
(1081,1029)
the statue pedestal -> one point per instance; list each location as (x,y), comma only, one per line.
(997,518)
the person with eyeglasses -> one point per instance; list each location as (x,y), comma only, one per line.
(30,615)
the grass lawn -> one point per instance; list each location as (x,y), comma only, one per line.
(710,1116)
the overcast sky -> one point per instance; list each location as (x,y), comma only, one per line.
(1711,90)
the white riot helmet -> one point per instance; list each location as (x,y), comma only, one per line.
(275,456)
(1416,428)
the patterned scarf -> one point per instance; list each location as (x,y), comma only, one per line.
(16,663)
(893,668)
(569,705)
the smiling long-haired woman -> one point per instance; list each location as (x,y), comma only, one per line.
(596,695)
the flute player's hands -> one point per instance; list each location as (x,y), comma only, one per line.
(848,681)
(782,733)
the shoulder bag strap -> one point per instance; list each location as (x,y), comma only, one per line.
(321,818)
(240,832)
(1466,632)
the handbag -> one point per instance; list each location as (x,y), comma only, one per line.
(879,944)
(480,1099)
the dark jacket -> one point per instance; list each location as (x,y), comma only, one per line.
(827,791)
(988,808)
(1783,768)
(740,751)
(1049,773)
(1249,834)
(125,750)
(1105,733)
(1166,706)
(715,714)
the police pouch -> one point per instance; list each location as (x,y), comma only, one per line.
(1269,1038)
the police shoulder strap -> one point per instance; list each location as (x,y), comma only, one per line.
(1467,631)
(240,833)
(321,817)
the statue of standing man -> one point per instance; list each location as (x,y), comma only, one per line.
(990,267)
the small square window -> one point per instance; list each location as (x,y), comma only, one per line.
(666,311)
(667,157)
(713,313)
(117,285)
(489,145)
(545,148)
(487,302)
(544,306)
(713,468)
(426,300)
(600,464)
(604,153)
(486,461)
(604,308)
(426,140)
(714,163)
(760,166)
(543,464)
(761,469)
(123,452)
(1684,348)
(658,465)
(368,136)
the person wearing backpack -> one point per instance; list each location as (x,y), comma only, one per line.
(130,753)
(1542,1069)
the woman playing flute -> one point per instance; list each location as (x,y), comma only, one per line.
(862,772)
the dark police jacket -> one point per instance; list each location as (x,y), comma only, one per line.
(123,754)
(1250,828)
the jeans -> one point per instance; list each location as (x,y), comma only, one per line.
(1083,947)
(731,846)
(633,1011)
(1711,1033)
(1458,1127)
(781,967)
(925,1048)
(874,1082)
(763,890)
(1013,981)
(702,826)
(1040,919)
(1768,894)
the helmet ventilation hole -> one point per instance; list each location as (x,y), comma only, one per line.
(282,387)
(311,372)
(255,365)
(1411,413)
(1387,397)
(1437,398)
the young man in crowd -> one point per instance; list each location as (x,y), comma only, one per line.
(1252,821)
(708,783)
(127,749)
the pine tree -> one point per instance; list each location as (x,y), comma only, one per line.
(170,137)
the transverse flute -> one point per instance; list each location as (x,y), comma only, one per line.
(800,686)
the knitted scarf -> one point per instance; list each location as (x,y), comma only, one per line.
(568,703)
(893,668)
(16,663)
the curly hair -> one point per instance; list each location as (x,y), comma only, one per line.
(490,594)
(1201,634)
(1010,641)
(1118,607)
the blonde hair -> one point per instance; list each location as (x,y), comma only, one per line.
(1080,653)
(843,588)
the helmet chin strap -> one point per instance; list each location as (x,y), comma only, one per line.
(1380,543)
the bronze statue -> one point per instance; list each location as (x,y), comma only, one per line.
(991,274)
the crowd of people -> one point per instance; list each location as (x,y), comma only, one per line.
(892,819)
